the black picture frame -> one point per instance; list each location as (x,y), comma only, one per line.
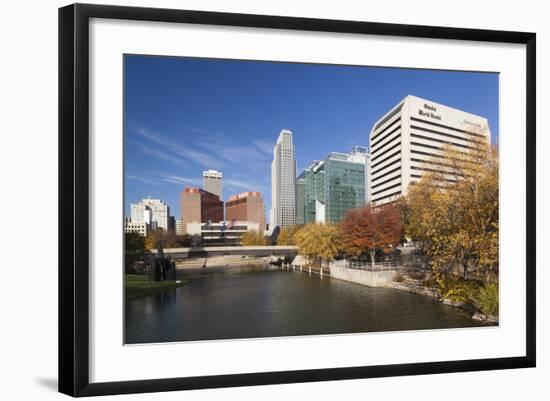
(74,198)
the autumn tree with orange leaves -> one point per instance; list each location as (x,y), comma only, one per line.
(371,228)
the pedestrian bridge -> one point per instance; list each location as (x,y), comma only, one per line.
(258,251)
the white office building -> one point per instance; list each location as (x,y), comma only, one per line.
(151,211)
(140,228)
(179,227)
(283,182)
(212,182)
(408,141)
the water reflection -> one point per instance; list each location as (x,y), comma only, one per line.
(271,304)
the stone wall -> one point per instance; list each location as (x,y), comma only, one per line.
(364,277)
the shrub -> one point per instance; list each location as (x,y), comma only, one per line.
(456,288)
(429,283)
(398,278)
(487,299)
(417,275)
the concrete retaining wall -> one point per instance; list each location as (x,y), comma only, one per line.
(231,269)
(364,277)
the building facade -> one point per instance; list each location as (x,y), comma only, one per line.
(179,227)
(283,182)
(409,140)
(246,206)
(361,154)
(333,186)
(141,228)
(172,224)
(213,182)
(225,233)
(199,206)
(154,212)
(300,198)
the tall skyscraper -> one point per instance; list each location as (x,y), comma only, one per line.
(246,207)
(151,211)
(333,186)
(409,140)
(283,182)
(212,182)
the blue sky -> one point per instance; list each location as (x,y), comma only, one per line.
(185,115)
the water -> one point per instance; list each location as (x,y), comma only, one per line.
(280,303)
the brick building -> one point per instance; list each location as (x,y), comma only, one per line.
(199,206)
(246,206)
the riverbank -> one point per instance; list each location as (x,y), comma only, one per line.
(412,281)
(137,286)
(416,287)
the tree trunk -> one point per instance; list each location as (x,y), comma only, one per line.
(465,269)
(372,255)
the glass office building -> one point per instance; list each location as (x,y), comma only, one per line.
(333,186)
(300,199)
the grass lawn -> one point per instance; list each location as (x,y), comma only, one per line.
(139,286)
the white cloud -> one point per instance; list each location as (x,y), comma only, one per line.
(175,179)
(240,185)
(265,145)
(237,154)
(141,179)
(159,154)
(217,151)
(186,152)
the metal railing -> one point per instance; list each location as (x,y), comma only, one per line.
(378,266)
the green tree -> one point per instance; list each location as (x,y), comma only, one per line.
(455,212)
(371,228)
(287,235)
(169,239)
(318,242)
(253,238)
(134,250)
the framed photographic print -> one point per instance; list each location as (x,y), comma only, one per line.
(250,199)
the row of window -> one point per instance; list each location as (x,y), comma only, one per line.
(419,176)
(386,189)
(387,133)
(441,141)
(386,181)
(386,173)
(398,151)
(431,131)
(389,149)
(431,162)
(387,196)
(430,170)
(389,116)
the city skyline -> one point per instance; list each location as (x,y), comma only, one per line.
(174,134)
